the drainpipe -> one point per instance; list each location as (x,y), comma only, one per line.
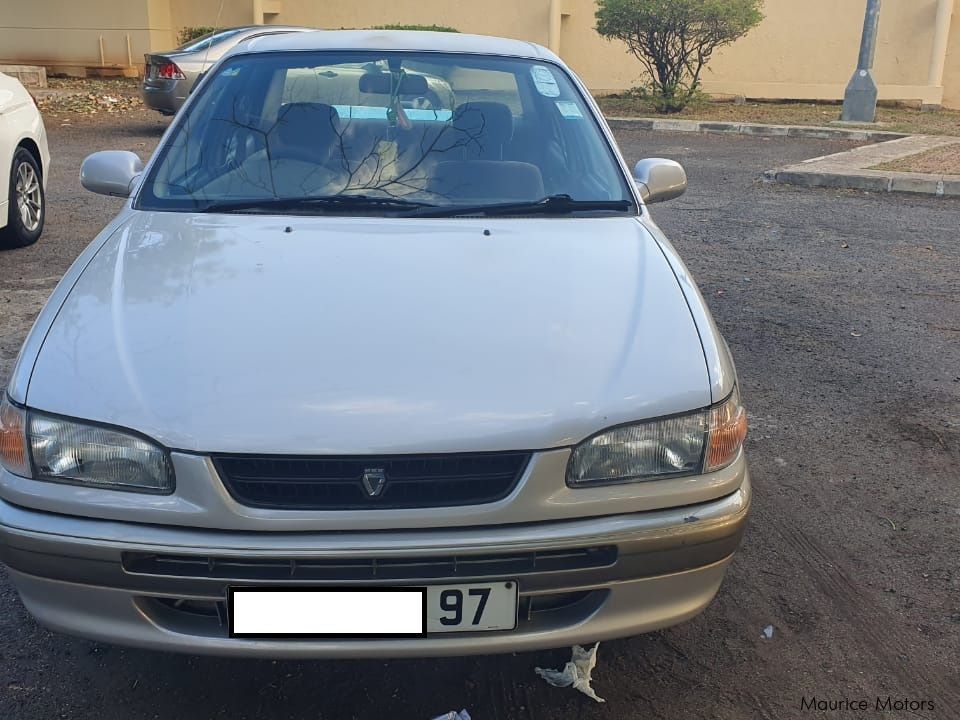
(553,30)
(941,34)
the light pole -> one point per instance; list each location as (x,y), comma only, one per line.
(860,98)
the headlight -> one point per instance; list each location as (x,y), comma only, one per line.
(78,453)
(697,442)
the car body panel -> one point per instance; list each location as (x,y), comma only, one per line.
(527,350)
(399,41)
(20,120)
(723,373)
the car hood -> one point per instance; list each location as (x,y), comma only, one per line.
(319,335)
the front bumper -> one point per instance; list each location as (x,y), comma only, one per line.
(649,570)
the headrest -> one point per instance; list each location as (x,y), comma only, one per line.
(304,130)
(487,127)
(497,180)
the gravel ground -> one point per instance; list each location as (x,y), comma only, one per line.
(843,312)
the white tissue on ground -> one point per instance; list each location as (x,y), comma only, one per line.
(454,715)
(768,632)
(575,673)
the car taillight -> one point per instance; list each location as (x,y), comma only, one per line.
(169,71)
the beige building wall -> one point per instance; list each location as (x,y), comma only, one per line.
(72,32)
(804,49)
(951,74)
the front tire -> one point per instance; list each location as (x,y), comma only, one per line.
(27,202)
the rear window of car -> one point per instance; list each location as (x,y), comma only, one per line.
(211,38)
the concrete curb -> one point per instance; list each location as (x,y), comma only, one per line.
(851,169)
(759,129)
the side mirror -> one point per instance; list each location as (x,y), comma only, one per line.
(658,179)
(110,172)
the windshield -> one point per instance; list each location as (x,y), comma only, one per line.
(382,132)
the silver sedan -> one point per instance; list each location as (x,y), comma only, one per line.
(361,370)
(168,77)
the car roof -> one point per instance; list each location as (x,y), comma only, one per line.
(267,28)
(397,40)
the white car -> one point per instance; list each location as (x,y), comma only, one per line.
(396,375)
(24,162)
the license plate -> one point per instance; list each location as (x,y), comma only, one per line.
(371,611)
(472,608)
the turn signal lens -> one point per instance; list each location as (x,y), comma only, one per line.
(13,438)
(728,429)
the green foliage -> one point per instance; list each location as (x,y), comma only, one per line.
(192,33)
(429,28)
(675,39)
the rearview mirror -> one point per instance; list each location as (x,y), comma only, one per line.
(380,84)
(110,172)
(659,179)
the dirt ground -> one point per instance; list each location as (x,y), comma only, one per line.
(901,119)
(939,161)
(843,312)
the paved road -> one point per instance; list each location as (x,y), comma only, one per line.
(843,312)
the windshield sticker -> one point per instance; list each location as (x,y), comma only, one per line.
(569,110)
(545,81)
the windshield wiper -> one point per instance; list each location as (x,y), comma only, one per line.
(332,202)
(558,204)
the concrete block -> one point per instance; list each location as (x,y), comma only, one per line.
(855,181)
(719,127)
(751,129)
(797,177)
(32,76)
(630,123)
(820,133)
(921,183)
(951,185)
(677,125)
(849,181)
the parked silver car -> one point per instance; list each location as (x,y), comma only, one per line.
(168,77)
(379,377)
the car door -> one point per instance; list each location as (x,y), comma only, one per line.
(7,100)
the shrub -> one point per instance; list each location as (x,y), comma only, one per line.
(674,39)
(192,33)
(429,28)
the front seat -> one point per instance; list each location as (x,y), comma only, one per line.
(300,145)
